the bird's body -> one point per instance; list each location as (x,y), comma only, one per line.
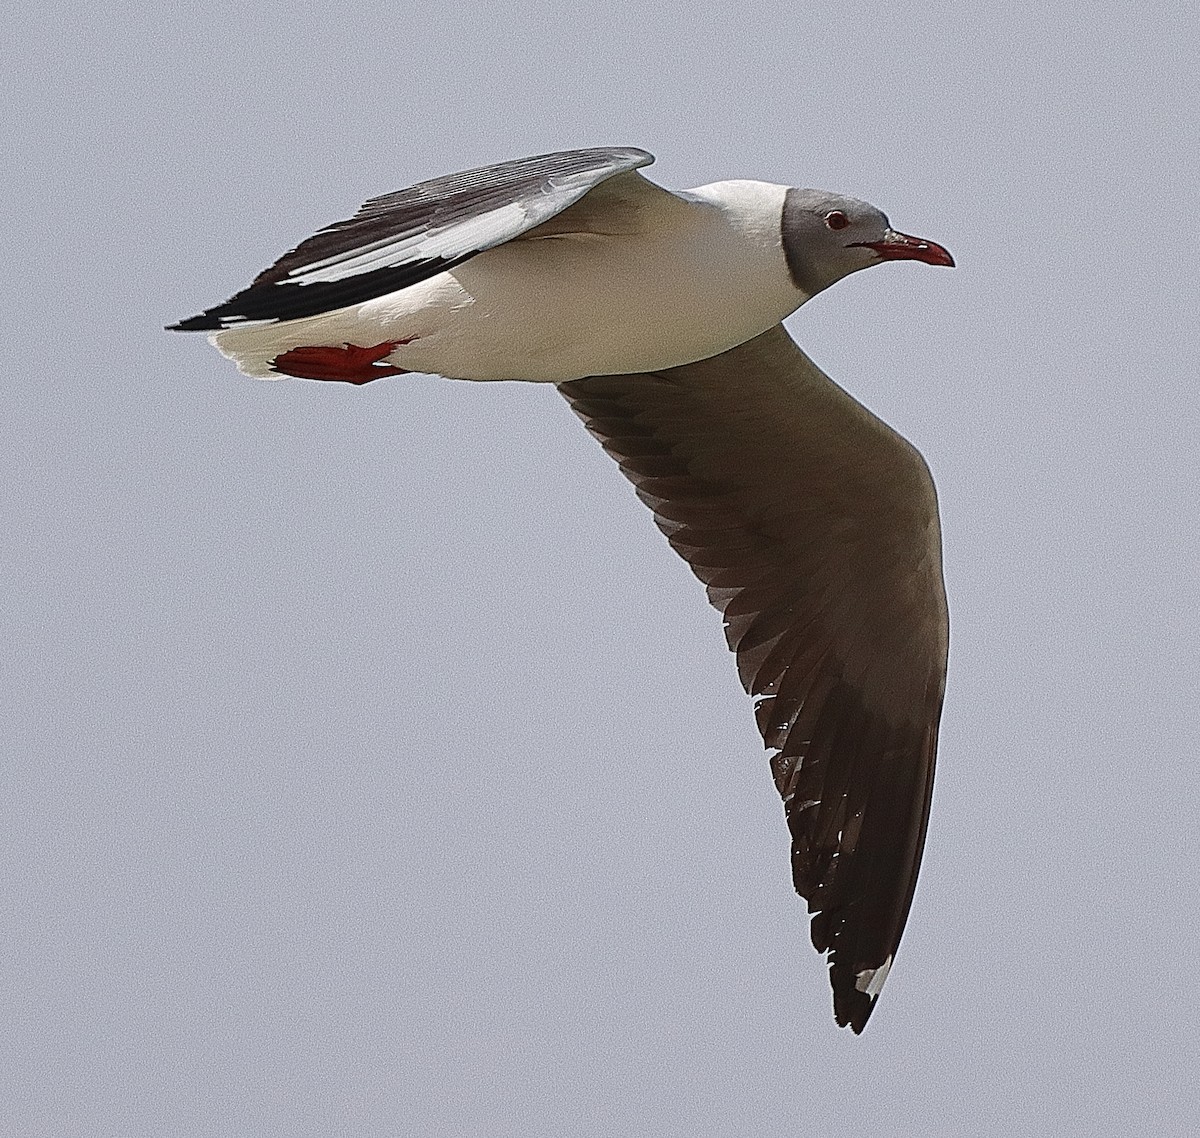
(813,525)
(682,277)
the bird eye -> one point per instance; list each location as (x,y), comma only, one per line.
(836,219)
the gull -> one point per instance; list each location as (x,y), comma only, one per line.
(657,314)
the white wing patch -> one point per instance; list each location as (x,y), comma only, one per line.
(482,232)
(870,980)
(452,241)
(449,242)
(361,251)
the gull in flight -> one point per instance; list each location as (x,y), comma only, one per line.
(657,314)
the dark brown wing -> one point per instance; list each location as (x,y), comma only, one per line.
(815,528)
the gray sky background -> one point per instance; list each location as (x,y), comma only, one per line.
(373,766)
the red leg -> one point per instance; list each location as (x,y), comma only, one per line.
(347,364)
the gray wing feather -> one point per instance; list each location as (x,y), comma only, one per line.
(401,238)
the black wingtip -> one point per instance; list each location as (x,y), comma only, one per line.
(852,1009)
(202,323)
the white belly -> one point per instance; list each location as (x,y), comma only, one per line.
(561,307)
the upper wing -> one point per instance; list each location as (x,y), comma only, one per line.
(399,239)
(815,527)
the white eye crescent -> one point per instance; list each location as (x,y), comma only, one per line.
(835,219)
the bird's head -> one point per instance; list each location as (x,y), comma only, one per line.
(828,236)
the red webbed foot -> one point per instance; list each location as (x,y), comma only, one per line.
(347,364)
